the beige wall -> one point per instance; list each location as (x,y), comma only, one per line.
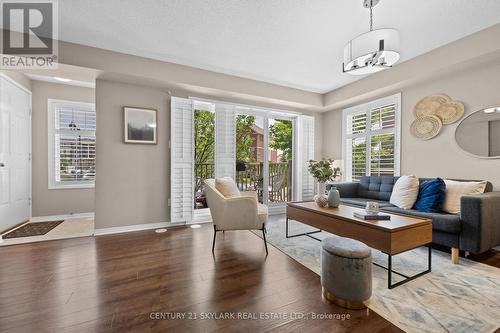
(56,201)
(477,87)
(133,180)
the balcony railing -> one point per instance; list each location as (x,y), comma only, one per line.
(250,178)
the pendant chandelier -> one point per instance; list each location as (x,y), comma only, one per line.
(372,51)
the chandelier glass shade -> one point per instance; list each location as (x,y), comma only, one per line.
(371,52)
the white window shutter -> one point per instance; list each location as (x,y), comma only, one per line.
(304,138)
(225,141)
(181,160)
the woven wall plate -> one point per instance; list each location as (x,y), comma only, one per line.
(450,112)
(428,106)
(426,127)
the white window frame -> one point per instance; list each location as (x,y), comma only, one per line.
(366,108)
(52,183)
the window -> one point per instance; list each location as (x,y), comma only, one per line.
(72,141)
(371,138)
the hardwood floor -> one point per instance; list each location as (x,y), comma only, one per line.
(119,282)
(491,257)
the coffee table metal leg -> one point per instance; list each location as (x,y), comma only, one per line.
(389,269)
(308,234)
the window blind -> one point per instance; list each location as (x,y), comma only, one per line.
(357,152)
(382,155)
(73,151)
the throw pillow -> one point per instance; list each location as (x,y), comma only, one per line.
(455,190)
(227,187)
(405,192)
(431,194)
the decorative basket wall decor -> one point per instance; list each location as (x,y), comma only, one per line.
(426,127)
(432,112)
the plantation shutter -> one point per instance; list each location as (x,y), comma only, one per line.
(356,146)
(181,160)
(371,135)
(225,141)
(382,141)
(304,138)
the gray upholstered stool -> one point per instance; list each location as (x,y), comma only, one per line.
(346,272)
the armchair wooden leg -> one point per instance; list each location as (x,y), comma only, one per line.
(264,236)
(454,255)
(213,244)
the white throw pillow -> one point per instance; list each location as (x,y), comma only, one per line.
(455,190)
(227,187)
(405,192)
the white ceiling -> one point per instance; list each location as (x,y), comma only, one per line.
(295,43)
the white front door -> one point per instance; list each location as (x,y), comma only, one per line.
(15,149)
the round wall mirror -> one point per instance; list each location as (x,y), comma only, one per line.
(479,133)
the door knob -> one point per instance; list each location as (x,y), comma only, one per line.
(2,165)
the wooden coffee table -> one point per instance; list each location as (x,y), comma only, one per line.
(394,236)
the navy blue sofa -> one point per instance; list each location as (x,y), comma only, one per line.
(475,230)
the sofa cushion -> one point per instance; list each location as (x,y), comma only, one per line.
(456,189)
(405,192)
(361,202)
(449,223)
(374,187)
(431,196)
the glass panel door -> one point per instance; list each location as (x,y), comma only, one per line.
(250,153)
(264,156)
(204,150)
(280,160)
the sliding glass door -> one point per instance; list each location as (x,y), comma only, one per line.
(204,150)
(250,144)
(280,170)
(264,155)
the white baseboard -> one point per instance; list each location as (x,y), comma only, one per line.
(62,217)
(135,227)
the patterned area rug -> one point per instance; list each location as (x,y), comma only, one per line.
(460,298)
(33,229)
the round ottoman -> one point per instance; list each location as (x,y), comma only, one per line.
(346,272)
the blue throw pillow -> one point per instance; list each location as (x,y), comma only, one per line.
(431,195)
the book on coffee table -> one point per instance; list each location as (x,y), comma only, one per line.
(364,216)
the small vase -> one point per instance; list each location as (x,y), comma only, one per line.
(333,197)
(321,199)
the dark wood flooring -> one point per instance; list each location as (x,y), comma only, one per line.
(491,257)
(116,282)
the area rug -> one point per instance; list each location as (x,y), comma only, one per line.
(33,229)
(460,298)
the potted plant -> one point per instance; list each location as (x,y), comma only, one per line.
(322,171)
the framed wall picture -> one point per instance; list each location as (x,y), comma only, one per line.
(140,125)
